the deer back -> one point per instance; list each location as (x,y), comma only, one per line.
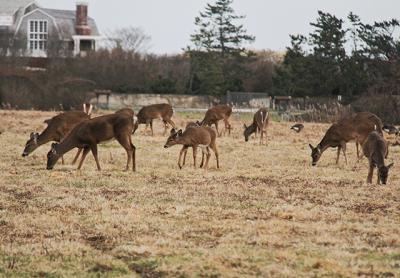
(261,117)
(217,113)
(155,111)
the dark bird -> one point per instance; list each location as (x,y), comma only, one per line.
(297,127)
(391,129)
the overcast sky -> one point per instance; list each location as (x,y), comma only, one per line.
(170,22)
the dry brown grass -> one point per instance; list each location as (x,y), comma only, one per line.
(266,212)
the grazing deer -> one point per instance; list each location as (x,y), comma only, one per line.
(355,128)
(203,137)
(260,123)
(375,148)
(57,128)
(297,127)
(88,134)
(217,113)
(147,114)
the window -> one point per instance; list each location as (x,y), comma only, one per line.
(37,35)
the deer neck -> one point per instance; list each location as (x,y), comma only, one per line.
(252,128)
(183,140)
(46,136)
(378,159)
(66,145)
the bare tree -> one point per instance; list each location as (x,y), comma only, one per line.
(129,39)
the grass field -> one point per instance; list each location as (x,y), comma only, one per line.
(265,213)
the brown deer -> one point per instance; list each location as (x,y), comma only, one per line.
(147,114)
(355,128)
(203,137)
(216,114)
(260,123)
(88,134)
(375,148)
(57,128)
(185,148)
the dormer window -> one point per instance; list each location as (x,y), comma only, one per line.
(37,35)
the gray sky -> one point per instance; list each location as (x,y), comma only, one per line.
(170,22)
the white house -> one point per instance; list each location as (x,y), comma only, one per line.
(44,29)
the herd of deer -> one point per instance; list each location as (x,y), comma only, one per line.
(76,129)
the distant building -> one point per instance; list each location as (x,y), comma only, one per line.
(43,30)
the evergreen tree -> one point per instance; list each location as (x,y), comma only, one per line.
(217,57)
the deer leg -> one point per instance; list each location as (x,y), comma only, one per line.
(202,160)
(182,152)
(84,154)
(194,155)
(370,174)
(216,127)
(151,127)
(227,126)
(358,152)
(133,157)
(378,179)
(215,150)
(76,156)
(96,157)
(126,143)
(206,151)
(171,123)
(338,154)
(344,152)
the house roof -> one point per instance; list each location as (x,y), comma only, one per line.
(9,7)
(66,22)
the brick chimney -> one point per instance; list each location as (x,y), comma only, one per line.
(82,27)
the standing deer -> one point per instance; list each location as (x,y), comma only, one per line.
(355,128)
(88,134)
(260,123)
(57,128)
(217,113)
(147,114)
(203,137)
(185,148)
(375,148)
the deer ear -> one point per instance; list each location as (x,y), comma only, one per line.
(311,147)
(390,165)
(172,132)
(244,126)
(32,135)
(180,132)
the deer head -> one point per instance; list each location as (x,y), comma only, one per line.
(173,138)
(383,173)
(247,132)
(31,144)
(52,156)
(315,154)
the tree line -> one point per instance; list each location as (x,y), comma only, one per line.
(339,57)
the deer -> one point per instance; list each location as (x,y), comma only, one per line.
(216,114)
(260,123)
(89,133)
(57,128)
(203,137)
(185,148)
(147,114)
(375,148)
(355,128)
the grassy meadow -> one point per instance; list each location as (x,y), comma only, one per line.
(265,213)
